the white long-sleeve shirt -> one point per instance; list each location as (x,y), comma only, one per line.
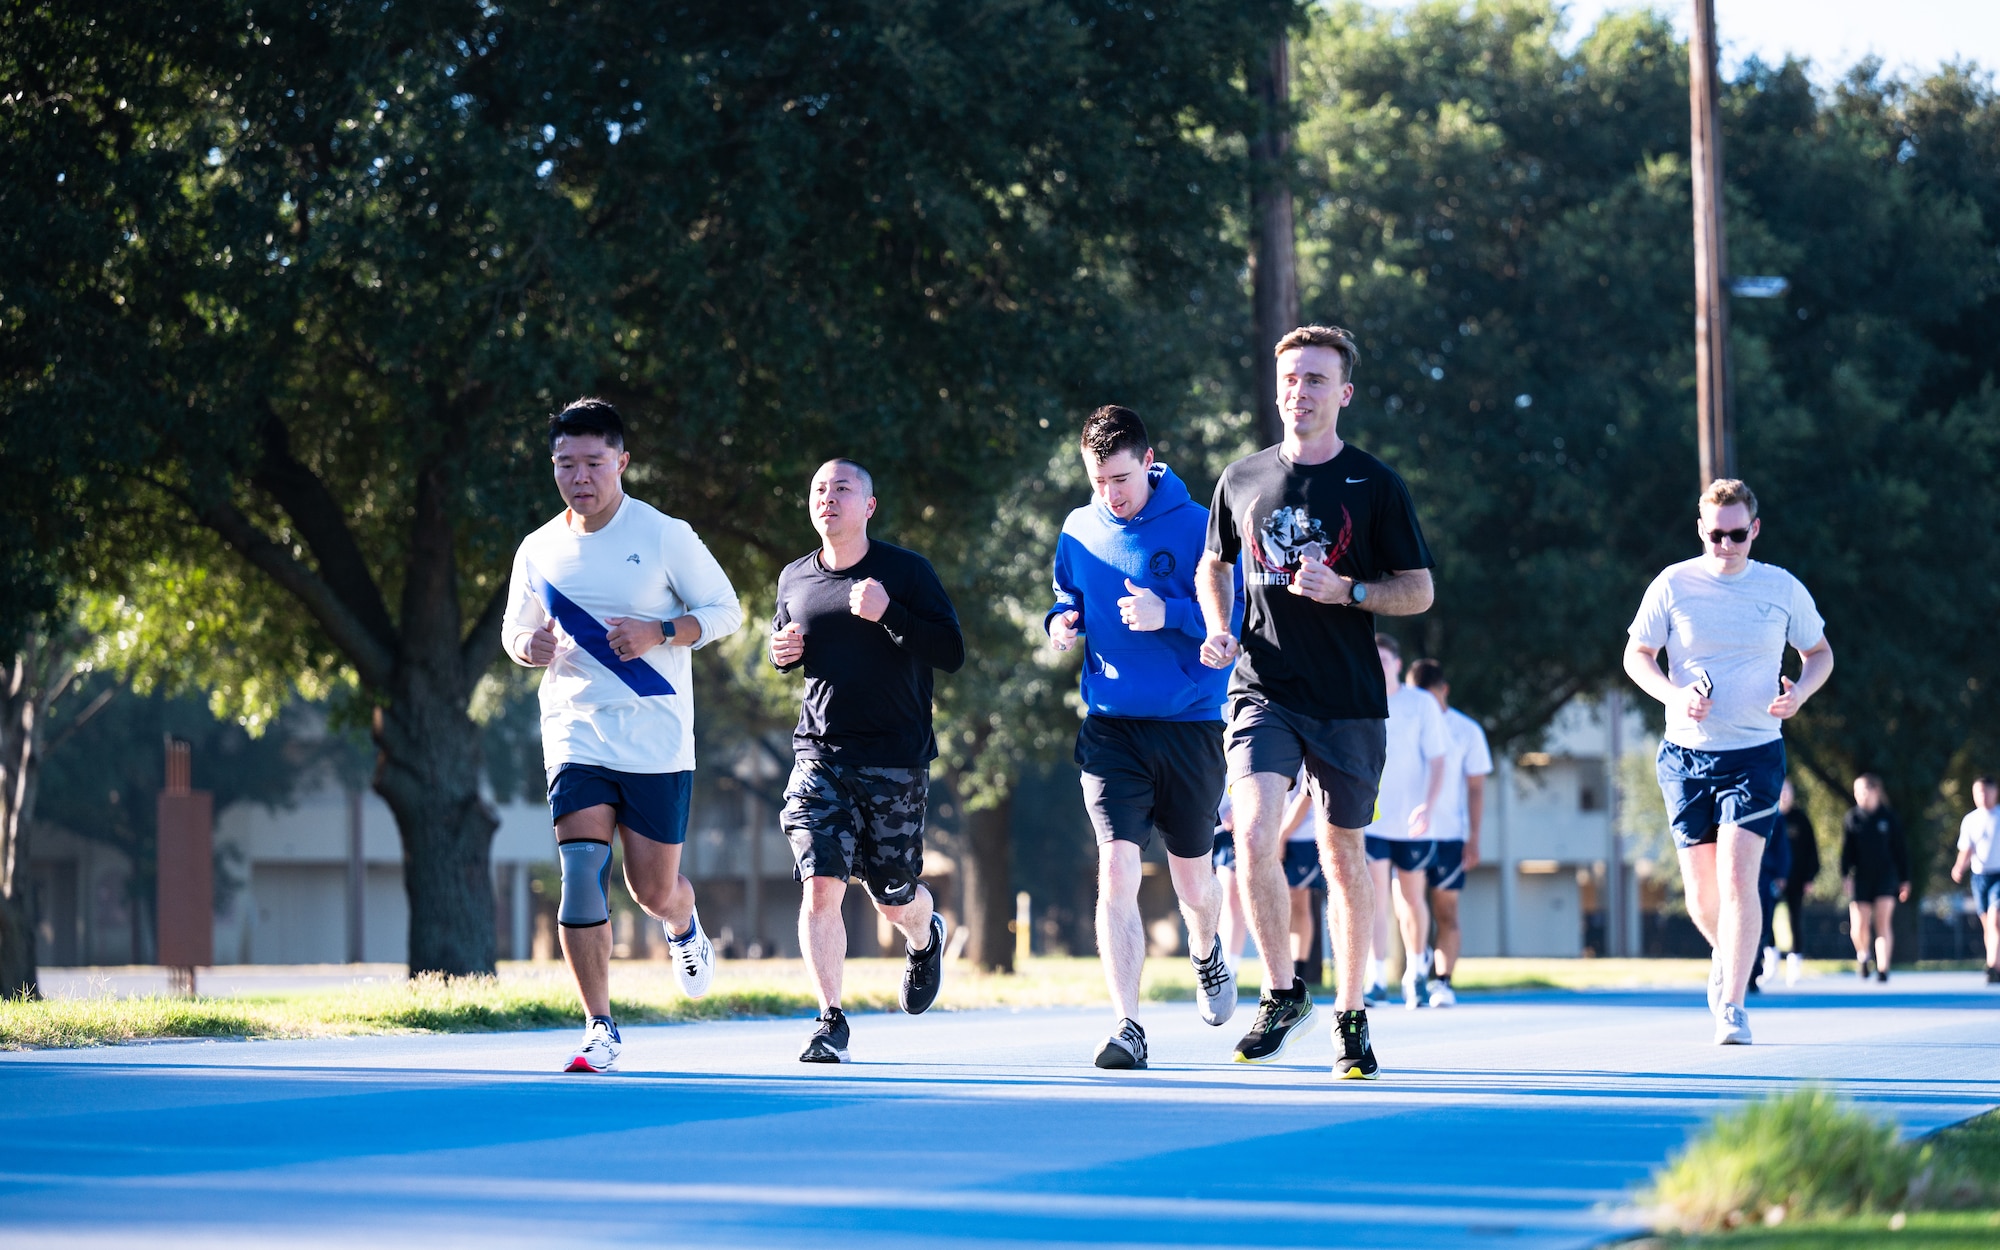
(636,716)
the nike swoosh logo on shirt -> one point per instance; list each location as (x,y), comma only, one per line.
(1355,480)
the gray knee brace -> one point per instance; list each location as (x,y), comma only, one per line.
(586,871)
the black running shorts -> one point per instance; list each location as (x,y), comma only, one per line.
(1142,775)
(1343,758)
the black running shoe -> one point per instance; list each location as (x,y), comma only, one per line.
(924,972)
(1356,1061)
(828,1043)
(1864,966)
(1124,1049)
(1279,1020)
(1882,974)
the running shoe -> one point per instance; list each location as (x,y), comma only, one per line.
(828,1043)
(1279,1020)
(1881,974)
(1793,968)
(1864,965)
(1125,1049)
(1375,995)
(1416,992)
(1770,972)
(693,957)
(1732,1026)
(1440,994)
(1356,1061)
(1214,988)
(1993,976)
(923,972)
(1714,982)
(599,1049)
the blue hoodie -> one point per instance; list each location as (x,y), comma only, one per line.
(1149,675)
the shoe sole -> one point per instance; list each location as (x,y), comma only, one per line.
(1112,1059)
(838,1056)
(1356,1074)
(579,1064)
(1733,1040)
(1299,1030)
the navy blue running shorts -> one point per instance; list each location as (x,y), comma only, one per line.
(1447,870)
(1985,891)
(1301,864)
(1224,855)
(1705,790)
(652,805)
(1403,855)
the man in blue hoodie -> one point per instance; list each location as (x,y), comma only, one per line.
(1151,743)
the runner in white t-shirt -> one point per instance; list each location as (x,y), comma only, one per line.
(609,598)
(1724,621)
(1454,823)
(1399,840)
(1978,864)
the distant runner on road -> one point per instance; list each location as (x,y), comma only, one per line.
(1399,840)
(1978,865)
(1455,821)
(1329,540)
(1875,865)
(1150,747)
(1724,621)
(869,622)
(609,598)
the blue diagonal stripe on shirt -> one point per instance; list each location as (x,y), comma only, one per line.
(644,679)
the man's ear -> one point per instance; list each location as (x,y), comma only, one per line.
(1149,459)
(871,505)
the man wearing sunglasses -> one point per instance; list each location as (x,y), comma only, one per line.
(1724,621)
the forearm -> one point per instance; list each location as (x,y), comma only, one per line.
(1215,588)
(937,643)
(1475,807)
(1434,785)
(1401,594)
(1642,665)
(683,631)
(1815,667)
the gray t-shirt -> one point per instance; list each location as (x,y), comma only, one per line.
(1734,628)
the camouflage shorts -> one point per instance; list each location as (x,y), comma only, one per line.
(847,820)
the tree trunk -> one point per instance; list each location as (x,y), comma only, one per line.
(38,673)
(1274,268)
(989,885)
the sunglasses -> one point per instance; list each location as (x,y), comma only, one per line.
(1738,537)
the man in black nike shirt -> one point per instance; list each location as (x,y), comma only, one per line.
(869,622)
(1329,540)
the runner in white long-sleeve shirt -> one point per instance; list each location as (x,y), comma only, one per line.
(610,597)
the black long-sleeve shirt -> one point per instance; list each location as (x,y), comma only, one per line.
(1805,846)
(868,683)
(1872,847)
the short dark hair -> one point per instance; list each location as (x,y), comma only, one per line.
(867,478)
(1986,779)
(1386,643)
(588,416)
(1112,429)
(1332,337)
(1427,674)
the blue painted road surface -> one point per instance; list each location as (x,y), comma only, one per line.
(1519,1120)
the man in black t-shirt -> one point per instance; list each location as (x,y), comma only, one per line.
(869,622)
(1329,540)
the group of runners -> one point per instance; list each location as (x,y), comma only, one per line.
(1232,675)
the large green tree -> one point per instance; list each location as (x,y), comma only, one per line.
(320,269)
(1506,224)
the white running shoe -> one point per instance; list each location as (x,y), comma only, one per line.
(599,1051)
(1214,989)
(1414,987)
(1770,971)
(693,958)
(1714,982)
(1793,966)
(1732,1026)
(1441,994)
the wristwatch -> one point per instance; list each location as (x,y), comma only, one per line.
(1358,595)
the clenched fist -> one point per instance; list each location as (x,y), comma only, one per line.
(868,600)
(788,645)
(542,645)
(1062,629)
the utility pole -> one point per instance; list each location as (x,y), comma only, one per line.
(1715,424)
(1273,263)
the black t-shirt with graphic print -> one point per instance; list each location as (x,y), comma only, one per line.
(1316,659)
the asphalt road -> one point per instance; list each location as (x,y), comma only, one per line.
(1520,1120)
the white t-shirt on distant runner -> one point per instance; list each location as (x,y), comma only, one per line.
(1975,834)
(1416,737)
(1734,628)
(635,716)
(1466,755)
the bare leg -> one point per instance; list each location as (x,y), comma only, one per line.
(1235,925)
(912,919)
(1302,924)
(1741,921)
(1858,914)
(1121,937)
(1885,932)
(1200,895)
(1414,912)
(1260,870)
(1704,902)
(653,875)
(823,936)
(1444,905)
(1350,910)
(1991,923)
(1378,928)
(588,951)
